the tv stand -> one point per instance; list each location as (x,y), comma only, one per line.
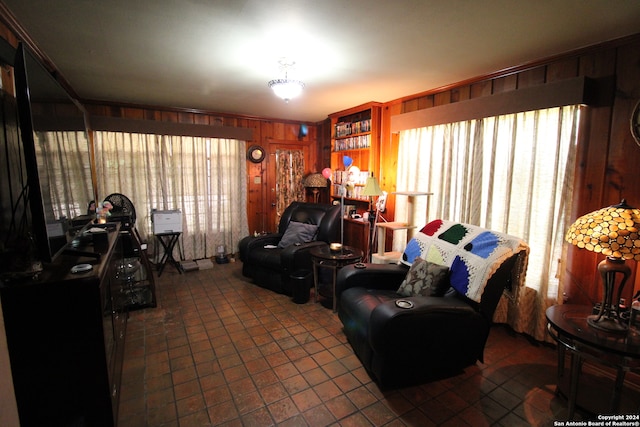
(65,335)
(81,253)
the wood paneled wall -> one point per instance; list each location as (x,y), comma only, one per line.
(607,162)
(608,159)
(269,134)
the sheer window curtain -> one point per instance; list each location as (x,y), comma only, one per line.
(510,173)
(66,172)
(203,177)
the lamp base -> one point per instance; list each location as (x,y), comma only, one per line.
(607,324)
(608,317)
(372,229)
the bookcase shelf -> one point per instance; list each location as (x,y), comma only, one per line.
(355,132)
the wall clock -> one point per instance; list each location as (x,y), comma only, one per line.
(635,123)
(255,154)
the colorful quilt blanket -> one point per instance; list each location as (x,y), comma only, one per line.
(472,253)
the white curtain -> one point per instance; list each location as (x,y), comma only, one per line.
(64,172)
(510,173)
(205,178)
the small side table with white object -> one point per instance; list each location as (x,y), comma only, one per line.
(168,242)
(382,257)
(167,227)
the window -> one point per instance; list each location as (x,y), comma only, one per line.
(203,177)
(64,172)
(511,173)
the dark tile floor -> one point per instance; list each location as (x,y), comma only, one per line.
(219,350)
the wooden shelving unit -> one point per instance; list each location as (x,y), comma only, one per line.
(355,132)
(65,334)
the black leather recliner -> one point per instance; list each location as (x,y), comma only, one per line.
(271,267)
(435,338)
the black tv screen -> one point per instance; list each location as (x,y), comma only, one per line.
(56,153)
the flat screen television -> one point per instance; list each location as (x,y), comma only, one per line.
(56,154)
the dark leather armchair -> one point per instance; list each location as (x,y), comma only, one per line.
(404,340)
(270,266)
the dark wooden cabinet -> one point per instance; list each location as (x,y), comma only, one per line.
(356,234)
(134,273)
(65,336)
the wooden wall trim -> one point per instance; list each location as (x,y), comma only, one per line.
(91,103)
(567,92)
(519,69)
(117,124)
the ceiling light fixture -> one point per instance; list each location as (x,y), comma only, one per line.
(286,88)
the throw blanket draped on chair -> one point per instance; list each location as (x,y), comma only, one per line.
(472,253)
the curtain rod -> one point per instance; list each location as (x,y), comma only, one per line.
(116,124)
(579,90)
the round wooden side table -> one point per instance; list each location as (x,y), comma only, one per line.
(323,257)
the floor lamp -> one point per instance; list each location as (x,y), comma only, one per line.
(371,190)
(614,232)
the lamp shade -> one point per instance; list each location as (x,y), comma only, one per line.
(315,180)
(286,88)
(612,231)
(371,187)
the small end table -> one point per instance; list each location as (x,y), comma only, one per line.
(168,242)
(567,325)
(323,257)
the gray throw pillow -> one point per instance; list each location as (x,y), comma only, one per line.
(298,232)
(426,279)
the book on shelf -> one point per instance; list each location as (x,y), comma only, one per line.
(353,143)
(358,178)
(350,128)
(351,183)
